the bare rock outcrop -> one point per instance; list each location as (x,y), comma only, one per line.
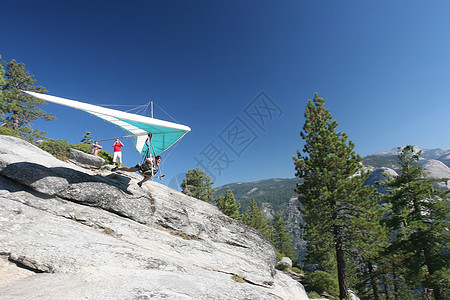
(85,160)
(69,233)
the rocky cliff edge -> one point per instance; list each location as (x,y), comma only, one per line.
(70,233)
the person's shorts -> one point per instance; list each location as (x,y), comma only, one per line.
(150,172)
(117,155)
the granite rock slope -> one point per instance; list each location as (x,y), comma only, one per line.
(70,233)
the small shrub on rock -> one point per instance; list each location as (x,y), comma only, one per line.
(57,148)
(314,295)
(8,131)
(281,267)
(321,281)
(86,148)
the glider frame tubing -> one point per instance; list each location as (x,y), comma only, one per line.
(122,137)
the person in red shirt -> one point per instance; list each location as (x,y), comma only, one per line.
(118,153)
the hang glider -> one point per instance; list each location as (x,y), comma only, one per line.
(163,134)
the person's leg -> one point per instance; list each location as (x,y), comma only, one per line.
(119,159)
(132,169)
(146,178)
(115,159)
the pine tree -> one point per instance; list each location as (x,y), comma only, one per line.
(87,138)
(2,81)
(19,110)
(281,239)
(256,220)
(198,184)
(227,204)
(339,211)
(419,223)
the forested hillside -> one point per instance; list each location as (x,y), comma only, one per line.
(273,196)
(275,191)
(278,194)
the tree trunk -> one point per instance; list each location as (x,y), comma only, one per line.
(394,279)
(386,288)
(343,287)
(438,293)
(373,282)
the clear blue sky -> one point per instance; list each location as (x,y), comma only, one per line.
(240,73)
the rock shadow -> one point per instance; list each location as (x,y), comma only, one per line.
(29,173)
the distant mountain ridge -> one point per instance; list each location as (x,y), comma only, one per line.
(426,153)
(278,194)
(390,158)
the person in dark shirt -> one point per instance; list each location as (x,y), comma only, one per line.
(95,149)
(147,169)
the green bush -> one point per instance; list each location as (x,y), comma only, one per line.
(279,255)
(86,148)
(321,281)
(57,148)
(281,267)
(314,295)
(108,157)
(297,270)
(8,131)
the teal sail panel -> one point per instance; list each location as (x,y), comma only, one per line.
(164,134)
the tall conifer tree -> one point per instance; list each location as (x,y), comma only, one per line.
(198,184)
(87,138)
(2,80)
(19,110)
(419,223)
(281,238)
(227,204)
(339,210)
(256,220)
